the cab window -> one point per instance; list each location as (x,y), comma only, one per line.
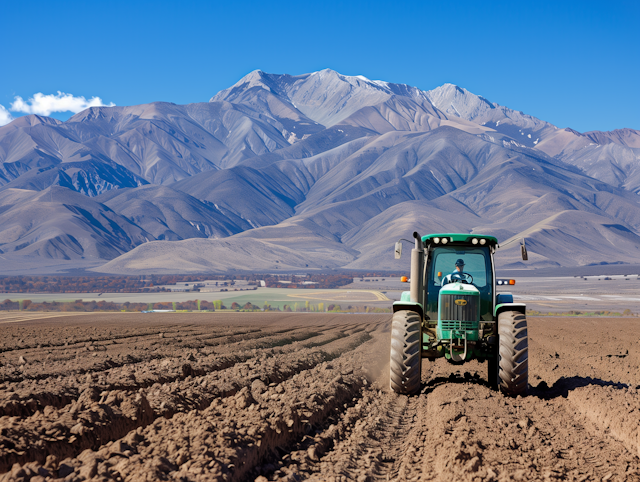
(475,263)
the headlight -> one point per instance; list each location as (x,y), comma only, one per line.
(474,241)
(444,240)
(436,240)
(483,242)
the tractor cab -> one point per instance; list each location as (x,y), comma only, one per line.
(478,272)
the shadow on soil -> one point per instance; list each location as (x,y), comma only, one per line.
(432,384)
(564,385)
(560,388)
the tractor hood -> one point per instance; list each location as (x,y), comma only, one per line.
(459,289)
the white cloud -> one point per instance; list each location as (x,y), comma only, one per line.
(42,104)
(5,117)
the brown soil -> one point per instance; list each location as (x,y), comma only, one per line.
(270,396)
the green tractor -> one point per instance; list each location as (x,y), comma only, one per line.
(458,316)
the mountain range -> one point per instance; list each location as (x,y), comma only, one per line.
(314,171)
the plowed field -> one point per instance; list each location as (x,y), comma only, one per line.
(271,396)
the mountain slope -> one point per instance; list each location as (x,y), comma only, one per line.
(448,180)
(231,254)
(156,143)
(171,215)
(62,224)
(314,171)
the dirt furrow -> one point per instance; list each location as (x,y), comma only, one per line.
(233,436)
(91,421)
(338,446)
(25,397)
(477,433)
(613,411)
(377,439)
(43,364)
(10,343)
(160,400)
(111,335)
(368,442)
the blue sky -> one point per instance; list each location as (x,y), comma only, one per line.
(574,64)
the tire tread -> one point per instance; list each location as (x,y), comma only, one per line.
(513,376)
(406,352)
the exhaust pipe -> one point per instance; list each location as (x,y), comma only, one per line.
(417,265)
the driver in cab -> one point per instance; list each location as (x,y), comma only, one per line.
(456,275)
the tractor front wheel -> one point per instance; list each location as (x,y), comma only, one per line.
(513,359)
(406,352)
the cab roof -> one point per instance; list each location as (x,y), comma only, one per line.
(460,238)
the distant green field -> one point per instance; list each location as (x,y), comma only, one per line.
(279,297)
(275,297)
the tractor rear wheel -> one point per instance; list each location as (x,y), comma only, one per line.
(406,352)
(513,343)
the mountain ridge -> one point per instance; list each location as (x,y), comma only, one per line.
(315,165)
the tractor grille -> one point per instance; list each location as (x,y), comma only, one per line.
(465,311)
(459,325)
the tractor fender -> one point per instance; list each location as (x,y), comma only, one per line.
(409,306)
(519,307)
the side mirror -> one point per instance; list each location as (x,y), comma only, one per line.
(398,251)
(523,251)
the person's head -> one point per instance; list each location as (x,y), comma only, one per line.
(460,265)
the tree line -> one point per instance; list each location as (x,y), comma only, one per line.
(154,283)
(99,284)
(191,305)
